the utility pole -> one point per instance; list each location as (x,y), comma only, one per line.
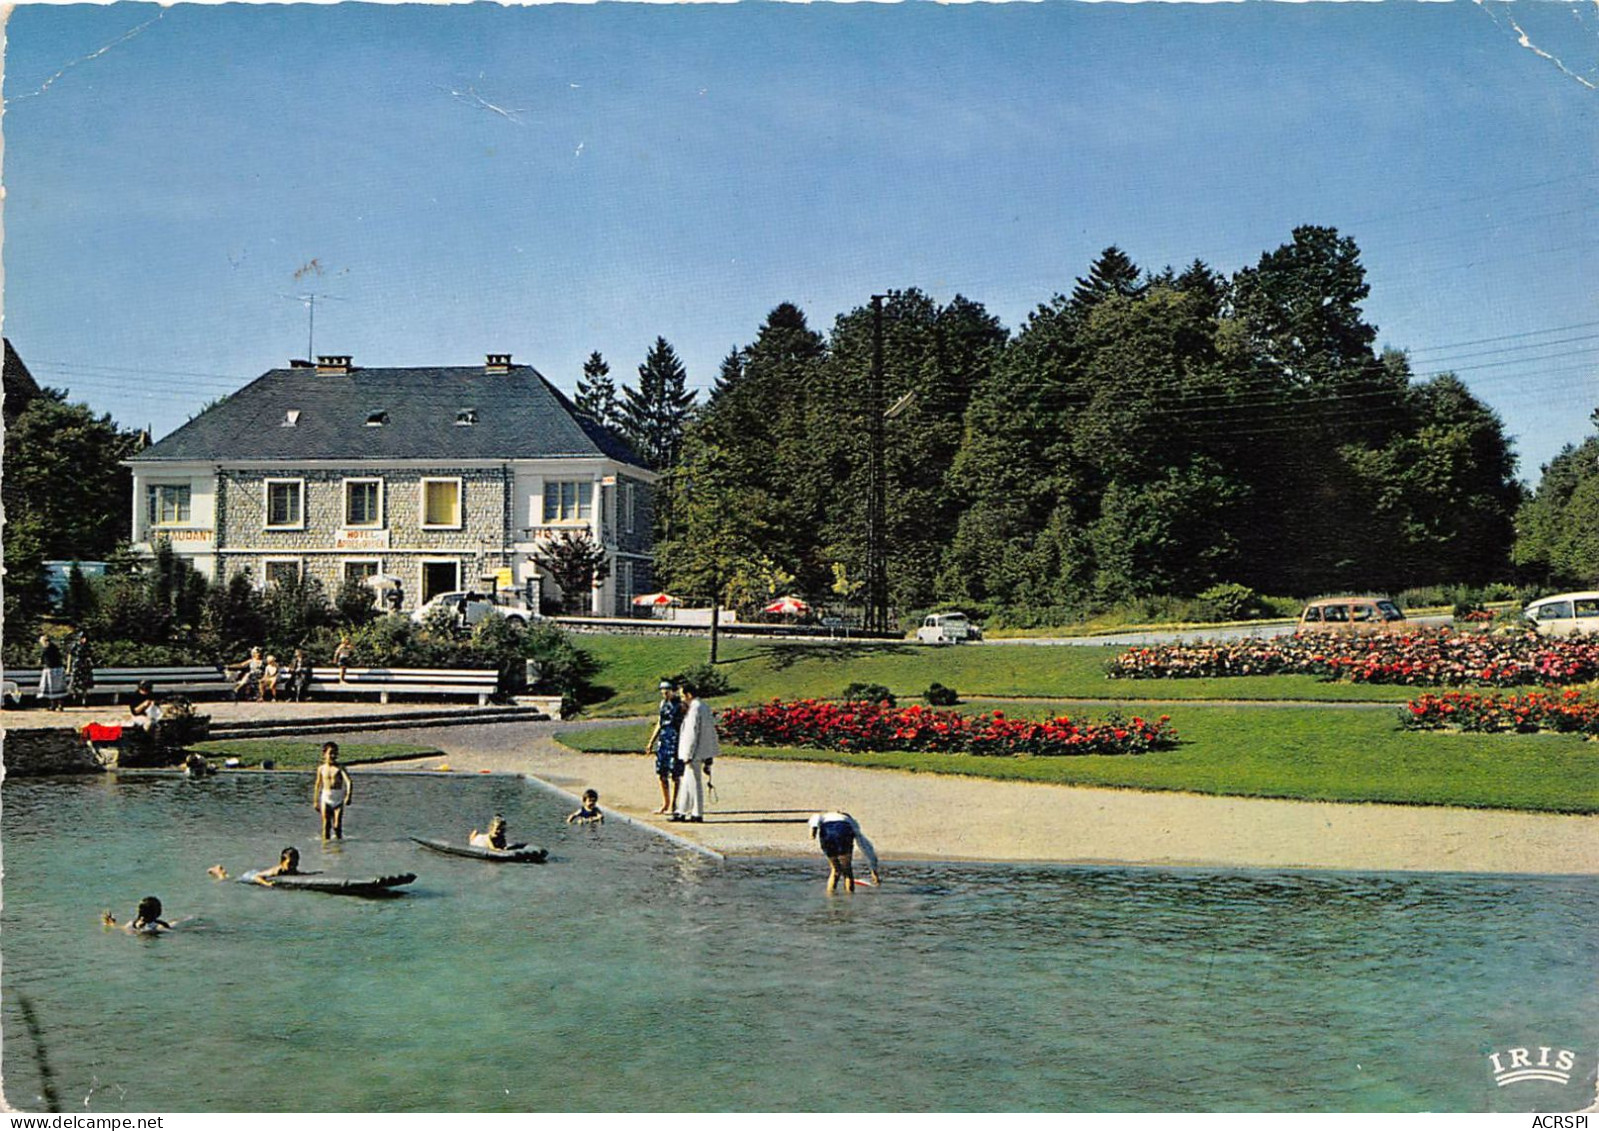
(875,613)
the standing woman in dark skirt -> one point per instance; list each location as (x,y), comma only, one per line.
(80,667)
(52,675)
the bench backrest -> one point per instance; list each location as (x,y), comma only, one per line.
(465,677)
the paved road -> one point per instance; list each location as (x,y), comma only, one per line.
(1264,631)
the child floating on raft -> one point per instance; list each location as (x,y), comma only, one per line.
(495,838)
(590,813)
(146,920)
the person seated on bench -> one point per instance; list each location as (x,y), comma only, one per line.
(145,715)
(248,685)
(295,680)
(271,673)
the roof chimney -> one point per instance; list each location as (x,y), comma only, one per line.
(299,363)
(498,364)
(336,365)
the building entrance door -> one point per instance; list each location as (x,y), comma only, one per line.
(439,577)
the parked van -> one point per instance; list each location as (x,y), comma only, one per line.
(947,628)
(1566,614)
(1351,614)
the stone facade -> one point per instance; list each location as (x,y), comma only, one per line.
(399,543)
(41,751)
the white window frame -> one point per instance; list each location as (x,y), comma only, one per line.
(346,563)
(577,505)
(344,502)
(266,505)
(422,574)
(268,563)
(630,505)
(422,503)
(153,494)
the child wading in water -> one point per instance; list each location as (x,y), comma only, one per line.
(331,792)
(590,813)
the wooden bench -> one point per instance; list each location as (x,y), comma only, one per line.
(384,682)
(117,682)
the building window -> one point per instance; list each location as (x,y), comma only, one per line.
(359,569)
(569,501)
(624,578)
(376,419)
(167,503)
(285,504)
(466,416)
(276,571)
(441,504)
(363,502)
(629,507)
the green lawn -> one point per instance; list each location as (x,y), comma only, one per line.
(1309,753)
(759,671)
(292,754)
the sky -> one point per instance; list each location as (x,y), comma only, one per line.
(548,181)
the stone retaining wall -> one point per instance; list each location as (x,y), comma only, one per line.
(52,750)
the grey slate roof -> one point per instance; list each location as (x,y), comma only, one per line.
(519,415)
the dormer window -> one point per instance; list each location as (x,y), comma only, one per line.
(291,418)
(377,419)
(466,416)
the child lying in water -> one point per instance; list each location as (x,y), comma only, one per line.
(495,838)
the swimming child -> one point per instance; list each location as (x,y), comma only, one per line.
(288,865)
(495,838)
(146,920)
(590,813)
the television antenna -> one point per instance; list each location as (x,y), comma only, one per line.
(309,301)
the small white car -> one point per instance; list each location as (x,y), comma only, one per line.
(947,628)
(478,606)
(1567,614)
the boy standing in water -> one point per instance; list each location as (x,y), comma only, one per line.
(332,791)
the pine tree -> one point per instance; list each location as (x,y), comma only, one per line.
(596,392)
(1113,273)
(654,414)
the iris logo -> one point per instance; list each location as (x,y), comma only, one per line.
(1516,1065)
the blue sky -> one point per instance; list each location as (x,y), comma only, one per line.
(554,180)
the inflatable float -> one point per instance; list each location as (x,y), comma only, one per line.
(335,885)
(516,854)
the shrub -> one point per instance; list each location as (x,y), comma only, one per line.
(937,695)
(709,681)
(868,693)
(181,725)
(1229,601)
(355,602)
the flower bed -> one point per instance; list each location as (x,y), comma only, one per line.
(876,727)
(1566,712)
(1423,659)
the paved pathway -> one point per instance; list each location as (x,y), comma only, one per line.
(762,807)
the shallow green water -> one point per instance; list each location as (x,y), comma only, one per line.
(630,975)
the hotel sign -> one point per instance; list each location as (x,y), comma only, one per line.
(361,540)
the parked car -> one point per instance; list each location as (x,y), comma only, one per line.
(1565,614)
(947,628)
(478,606)
(1352,615)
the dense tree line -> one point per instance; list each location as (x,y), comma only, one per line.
(1148,433)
